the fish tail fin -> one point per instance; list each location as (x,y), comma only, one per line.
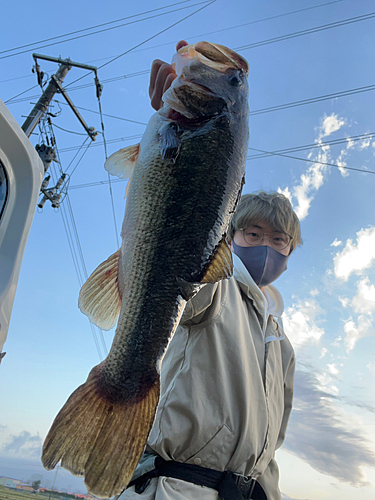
(98,439)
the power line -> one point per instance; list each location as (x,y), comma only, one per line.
(101,31)
(98,183)
(75,245)
(312,100)
(265,154)
(109,178)
(206,4)
(189,37)
(315,145)
(308,31)
(100,143)
(278,107)
(69,131)
(105,114)
(270,153)
(90,28)
(24,92)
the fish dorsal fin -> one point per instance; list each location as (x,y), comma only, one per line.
(122,162)
(221,265)
(99,297)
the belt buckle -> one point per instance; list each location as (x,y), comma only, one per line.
(245,485)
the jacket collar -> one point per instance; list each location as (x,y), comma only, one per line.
(269,302)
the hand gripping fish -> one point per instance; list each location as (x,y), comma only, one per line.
(186,178)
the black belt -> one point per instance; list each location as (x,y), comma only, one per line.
(230,486)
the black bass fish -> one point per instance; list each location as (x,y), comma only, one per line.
(186,178)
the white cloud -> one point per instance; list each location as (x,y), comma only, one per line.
(364,144)
(323,352)
(336,342)
(330,124)
(344,301)
(340,161)
(314,292)
(24,445)
(286,193)
(350,143)
(299,322)
(336,243)
(355,332)
(332,369)
(323,434)
(364,300)
(355,257)
(325,383)
(312,180)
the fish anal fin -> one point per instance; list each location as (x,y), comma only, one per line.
(99,439)
(99,297)
(221,265)
(123,161)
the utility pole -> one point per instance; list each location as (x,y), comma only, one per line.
(53,484)
(42,105)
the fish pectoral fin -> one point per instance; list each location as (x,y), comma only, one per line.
(122,162)
(99,439)
(188,289)
(170,142)
(99,297)
(221,265)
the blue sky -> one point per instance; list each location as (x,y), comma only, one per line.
(329,288)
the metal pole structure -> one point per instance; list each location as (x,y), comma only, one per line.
(53,484)
(42,105)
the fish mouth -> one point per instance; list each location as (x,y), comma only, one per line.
(174,102)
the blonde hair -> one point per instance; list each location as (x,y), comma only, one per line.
(273,208)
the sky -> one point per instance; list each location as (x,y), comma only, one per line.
(311,100)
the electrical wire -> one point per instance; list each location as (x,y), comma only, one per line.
(308,31)
(104,114)
(74,243)
(333,142)
(100,143)
(270,153)
(69,131)
(189,37)
(206,4)
(24,92)
(75,156)
(109,178)
(278,107)
(98,183)
(90,28)
(312,100)
(104,29)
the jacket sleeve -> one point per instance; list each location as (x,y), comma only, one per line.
(269,480)
(197,308)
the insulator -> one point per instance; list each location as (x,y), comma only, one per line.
(42,201)
(61,181)
(45,182)
(56,200)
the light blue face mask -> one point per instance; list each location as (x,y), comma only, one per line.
(264,263)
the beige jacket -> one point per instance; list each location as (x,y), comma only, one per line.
(226,388)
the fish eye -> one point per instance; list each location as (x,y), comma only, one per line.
(235,76)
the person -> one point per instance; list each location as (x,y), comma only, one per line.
(227,375)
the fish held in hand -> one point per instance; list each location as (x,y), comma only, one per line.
(186,178)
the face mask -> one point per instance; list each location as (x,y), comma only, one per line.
(263,262)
